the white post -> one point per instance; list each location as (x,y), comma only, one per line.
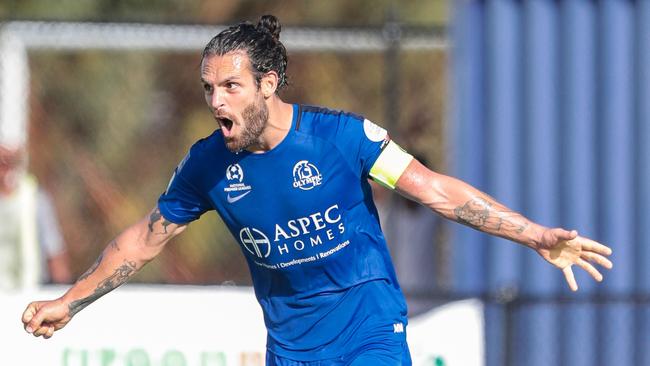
(14,79)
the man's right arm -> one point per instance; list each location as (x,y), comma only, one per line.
(118,262)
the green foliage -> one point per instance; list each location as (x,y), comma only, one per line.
(291,12)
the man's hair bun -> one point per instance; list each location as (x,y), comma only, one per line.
(271,24)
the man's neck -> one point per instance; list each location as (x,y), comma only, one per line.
(277,127)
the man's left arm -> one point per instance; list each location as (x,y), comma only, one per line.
(459,201)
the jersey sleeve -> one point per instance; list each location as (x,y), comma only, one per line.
(361,142)
(182,202)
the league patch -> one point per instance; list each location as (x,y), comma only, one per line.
(237,188)
(373,132)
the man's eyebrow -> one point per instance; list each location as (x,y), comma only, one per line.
(227,79)
(230,78)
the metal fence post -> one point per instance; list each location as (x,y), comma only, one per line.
(392,33)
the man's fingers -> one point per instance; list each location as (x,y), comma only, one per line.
(596,247)
(49,333)
(567,235)
(28,317)
(28,314)
(570,278)
(41,331)
(597,258)
(36,321)
(590,269)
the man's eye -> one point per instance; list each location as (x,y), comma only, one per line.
(232,85)
(207,88)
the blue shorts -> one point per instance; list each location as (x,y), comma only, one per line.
(374,354)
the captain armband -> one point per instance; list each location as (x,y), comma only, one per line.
(390,165)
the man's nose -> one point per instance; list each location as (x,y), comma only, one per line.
(218,100)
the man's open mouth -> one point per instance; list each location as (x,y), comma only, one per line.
(226,125)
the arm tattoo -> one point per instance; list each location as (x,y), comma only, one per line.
(92,268)
(479,214)
(155,217)
(473,213)
(521,228)
(121,275)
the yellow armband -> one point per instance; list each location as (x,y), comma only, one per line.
(390,165)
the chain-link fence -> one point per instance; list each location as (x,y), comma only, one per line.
(578,323)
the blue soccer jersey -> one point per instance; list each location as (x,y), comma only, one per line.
(304,217)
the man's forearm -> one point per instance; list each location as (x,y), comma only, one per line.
(483,213)
(120,275)
(115,266)
(459,201)
(120,260)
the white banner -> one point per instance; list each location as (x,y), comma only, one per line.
(449,335)
(139,325)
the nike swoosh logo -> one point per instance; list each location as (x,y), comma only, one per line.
(234,199)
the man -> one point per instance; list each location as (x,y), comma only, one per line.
(290,181)
(31,246)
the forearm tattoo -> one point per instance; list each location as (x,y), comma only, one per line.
(92,268)
(155,217)
(480,214)
(121,275)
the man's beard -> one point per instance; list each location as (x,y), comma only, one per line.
(255,116)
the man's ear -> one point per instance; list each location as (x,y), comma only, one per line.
(269,84)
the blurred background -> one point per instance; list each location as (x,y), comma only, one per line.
(108,124)
(543,104)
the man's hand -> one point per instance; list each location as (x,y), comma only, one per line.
(564,248)
(43,318)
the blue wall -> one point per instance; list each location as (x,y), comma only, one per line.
(551,115)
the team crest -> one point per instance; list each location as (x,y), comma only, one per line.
(306,176)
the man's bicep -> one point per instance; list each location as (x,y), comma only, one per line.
(416,182)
